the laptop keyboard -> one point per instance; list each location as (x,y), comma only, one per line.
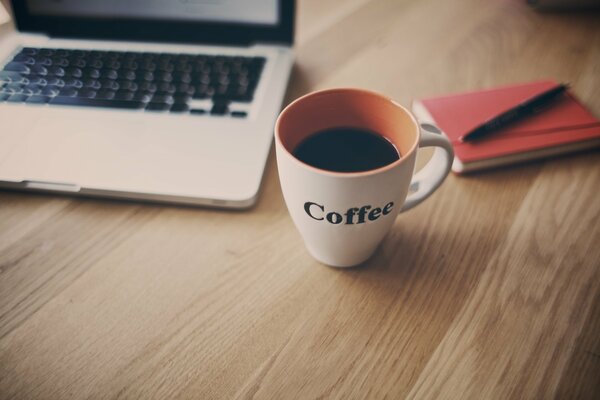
(196,84)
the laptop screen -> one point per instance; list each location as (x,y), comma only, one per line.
(238,22)
(255,12)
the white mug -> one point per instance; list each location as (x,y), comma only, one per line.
(343,216)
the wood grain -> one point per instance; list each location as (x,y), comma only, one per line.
(490,289)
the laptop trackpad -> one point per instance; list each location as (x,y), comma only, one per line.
(98,152)
(122,152)
(69,149)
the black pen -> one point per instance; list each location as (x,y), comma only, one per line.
(524,109)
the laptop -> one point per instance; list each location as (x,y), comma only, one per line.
(168,101)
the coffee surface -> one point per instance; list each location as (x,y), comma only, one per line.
(346,150)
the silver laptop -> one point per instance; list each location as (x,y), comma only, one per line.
(170,101)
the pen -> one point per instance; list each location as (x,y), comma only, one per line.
(524,109)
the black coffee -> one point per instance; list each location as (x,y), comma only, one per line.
(346,150)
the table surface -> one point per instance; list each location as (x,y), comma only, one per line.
(488,290)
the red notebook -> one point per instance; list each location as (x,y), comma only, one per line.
(565,126)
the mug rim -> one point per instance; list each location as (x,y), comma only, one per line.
(348,174)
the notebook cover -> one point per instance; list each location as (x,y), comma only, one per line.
(565,121)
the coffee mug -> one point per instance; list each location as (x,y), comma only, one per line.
(343,216)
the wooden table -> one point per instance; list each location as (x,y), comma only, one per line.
(489,290)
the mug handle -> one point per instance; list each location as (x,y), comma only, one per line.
(431,176)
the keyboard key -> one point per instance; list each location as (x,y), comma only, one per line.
(130,65)
(43,61)
(17,98)
(56,71)
(143,97)
(219,109)
(74,72)
(124,95)
(4,96)
(243,81)
(163,98)
(68,92)
(106,94)
(78,63)
(9,76)
(181,97)
(29,51)
(13,87)
(54,81)
(184,88)
(87,93)
(38,99)
(165,87)
(127,74)
(91,73)
(75,101)
(130,55)
(184,68)
(38,80)
(197,111)
(179,107)
(165,67)
(204,79)
(95,64)
(108,84)
(110,74)
(221,90)
(39,70)
(46,52)
(148,87)
(148,66)
(81,53)
(92,84)
(203,92)
(24,59)
(61,53)
(152,106)
(32,89)
(114,55)
(147,76)
(127,85)
(183,77)
(50,91)
(61,62)
(239,114)
(97,53)
(17,67)
(76,83)
(163,77)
